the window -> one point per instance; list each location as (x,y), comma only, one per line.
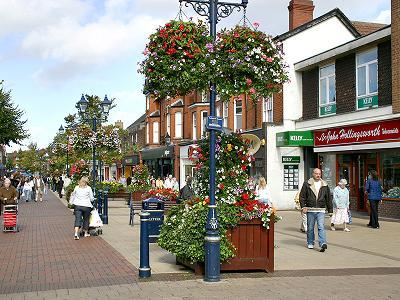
(367,79)
(178,125)
(327,90)
(218,111)
(156,133)
(194,126)
(147,103)
(147,133)
(225,112)
(204,115)
(169,123)
(268,110)
(136,138)
(238,114)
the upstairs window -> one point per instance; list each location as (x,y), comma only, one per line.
(147,133)
(156,133)
(169,124)
(238,114)
(178,125)
(194,126)
(268,115)
(204,116)
(327,91)
(225,113)
(367,79)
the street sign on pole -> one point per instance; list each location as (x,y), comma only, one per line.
(214,123)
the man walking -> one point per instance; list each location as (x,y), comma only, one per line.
(39,188)
(315,198)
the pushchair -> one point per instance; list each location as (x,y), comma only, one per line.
(10,218)
(95,224)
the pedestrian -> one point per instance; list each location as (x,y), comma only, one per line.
(67,182)
(168,182)
(262,192)
(303,224)
(27,190)
(186,192)
(82,198)
(175,184)
(315,199)
(128,181)
(341,205)
(54,182)
(8,193)
(60,186)
(122,180)
(373,188)
(39,188)
(159,183)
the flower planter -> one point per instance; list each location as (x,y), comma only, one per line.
(137,196)
(254,249)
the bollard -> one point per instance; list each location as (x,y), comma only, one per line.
(105,207)
(100,204)
(144,268)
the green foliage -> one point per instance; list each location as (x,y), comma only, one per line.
(12,127)
(110,186)
(140,179)
(33,159)
(186,239)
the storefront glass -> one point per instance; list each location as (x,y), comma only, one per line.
(328,167)
(390,162)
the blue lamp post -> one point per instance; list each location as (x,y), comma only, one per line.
(214,10)
(61,131)
(82,106)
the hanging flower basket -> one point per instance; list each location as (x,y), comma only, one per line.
(176,59)
(249,62)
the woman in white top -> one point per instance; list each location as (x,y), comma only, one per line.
(27,189)
(82,198)
(262,192)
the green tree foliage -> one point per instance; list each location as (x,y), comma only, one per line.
(11,123)
(33,159)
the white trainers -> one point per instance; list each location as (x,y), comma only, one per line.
(87,234)
(347,230)
(310,246)
(333,228)
(76,237)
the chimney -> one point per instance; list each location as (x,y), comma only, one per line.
(300,12)
(119,124)
(395,56)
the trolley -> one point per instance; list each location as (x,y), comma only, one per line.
(10,218)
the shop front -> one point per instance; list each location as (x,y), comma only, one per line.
(160,161)
(128,163)
(352,152)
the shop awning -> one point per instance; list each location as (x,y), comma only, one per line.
(159,152)
(357,147)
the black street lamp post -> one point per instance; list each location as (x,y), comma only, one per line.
(61,130)
(214,10)
(82,106)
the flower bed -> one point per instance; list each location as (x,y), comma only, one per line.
(163,194)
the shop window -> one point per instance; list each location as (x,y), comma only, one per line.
(327,164)
(268,110)
(156,133)
(225,113)
(238,114)
(204,115)
(327,91)
(194,126)
(367,79)
(178,125)
(390,161)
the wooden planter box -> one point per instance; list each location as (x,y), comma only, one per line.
(137,196)
(254,249)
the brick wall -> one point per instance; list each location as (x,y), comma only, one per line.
(278,108)
(385,74)
(396,56)
(345,69)
(300,12)
(389,209)
(310,94)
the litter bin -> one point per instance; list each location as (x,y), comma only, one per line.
(155,207)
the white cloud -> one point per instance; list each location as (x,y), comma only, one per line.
(384,17)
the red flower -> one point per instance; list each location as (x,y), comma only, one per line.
(168,25)
(181,27)
(244,168)
(248,81)
(221,186)
(245,196)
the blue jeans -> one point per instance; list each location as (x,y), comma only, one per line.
(318,217)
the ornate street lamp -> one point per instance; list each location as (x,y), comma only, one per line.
(167,139)
(61,131)
(214,11)
(82,106)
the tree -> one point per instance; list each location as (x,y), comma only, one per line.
(11,124)
(33,159)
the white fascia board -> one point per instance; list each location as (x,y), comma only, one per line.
(358,117)
(357,147)
(348,47)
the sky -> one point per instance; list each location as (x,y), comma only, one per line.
(52,51)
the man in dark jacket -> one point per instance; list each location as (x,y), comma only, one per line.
(186,191)
(315,199)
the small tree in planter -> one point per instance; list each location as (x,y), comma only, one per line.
(184,228)
(140,181)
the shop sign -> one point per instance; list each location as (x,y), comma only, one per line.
(291,159)
(128,161)
(367,102)
(383,131)
(294,138)
(327,110)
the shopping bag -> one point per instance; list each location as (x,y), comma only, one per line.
(95,220)
(349,213)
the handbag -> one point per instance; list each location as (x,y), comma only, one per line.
(95,220)
(350,218)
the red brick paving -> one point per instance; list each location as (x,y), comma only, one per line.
(44,255)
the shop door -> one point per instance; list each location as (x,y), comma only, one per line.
(366,163)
